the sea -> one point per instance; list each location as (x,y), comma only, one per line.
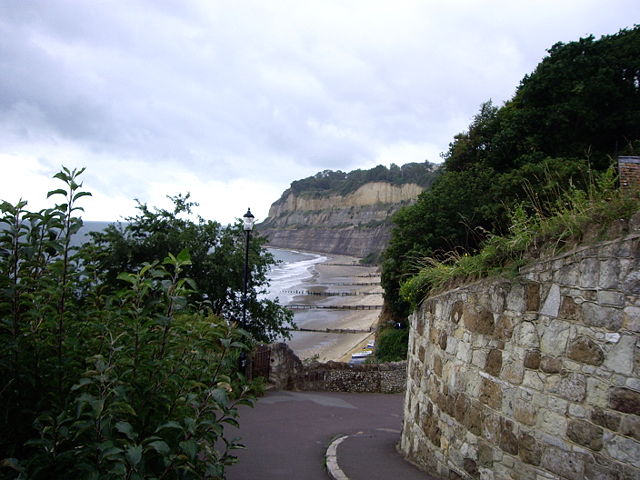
(292,268)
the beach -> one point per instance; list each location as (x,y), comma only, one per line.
(336,282)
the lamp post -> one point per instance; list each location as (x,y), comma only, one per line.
(248,221)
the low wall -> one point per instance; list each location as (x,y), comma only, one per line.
(533,378)
(288,373)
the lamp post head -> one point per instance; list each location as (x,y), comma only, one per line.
(248,220)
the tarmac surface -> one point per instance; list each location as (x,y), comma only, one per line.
(287,436)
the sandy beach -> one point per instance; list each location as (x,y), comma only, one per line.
(339,281)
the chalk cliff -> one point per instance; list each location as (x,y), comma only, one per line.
(355,224)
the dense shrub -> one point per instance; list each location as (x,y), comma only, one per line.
(134,382)
(391,344)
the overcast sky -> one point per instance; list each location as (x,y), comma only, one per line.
(234,100)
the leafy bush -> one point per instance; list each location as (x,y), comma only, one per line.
(558,223)
(216,267)
(579,108)
(391,344)
(135,382)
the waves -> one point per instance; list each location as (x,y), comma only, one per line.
(295,267)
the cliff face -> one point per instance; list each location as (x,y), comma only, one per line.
(355,224)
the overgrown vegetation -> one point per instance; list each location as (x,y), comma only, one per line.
(107,374)
(329,182)
(391,344)
(576,112)
(217,259)
(534,227)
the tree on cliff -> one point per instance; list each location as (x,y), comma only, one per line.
(577,110)
(217,259)
(329,182)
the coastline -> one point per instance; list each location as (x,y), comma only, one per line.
(346,276)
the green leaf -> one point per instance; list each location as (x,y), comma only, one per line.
(133,454)
(127,429)
(81,194)
(160,446)
(58,191)
(190,448)
(171,424)
(184,257)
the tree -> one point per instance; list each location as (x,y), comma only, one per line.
(217,260)
(136,381)
(578,109)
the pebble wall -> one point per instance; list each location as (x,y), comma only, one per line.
(534,378)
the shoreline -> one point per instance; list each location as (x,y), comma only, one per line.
(337,274)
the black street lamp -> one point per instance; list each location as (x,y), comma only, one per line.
(248,220)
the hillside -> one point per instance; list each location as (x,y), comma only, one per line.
(345,213)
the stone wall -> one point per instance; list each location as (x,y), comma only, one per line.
(533,378)
(288,373)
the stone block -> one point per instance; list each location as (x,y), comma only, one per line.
(552,422)
(554,338)
(533,297)
(485,454)
(516,298)
(479,358)
(571,387)
(473,418)
(611,299)
(491,393)
(620,359)
(532,359)
(525,412)
(494,362)
(508,442)
(570,310)
(464,352)
(550,364)
(503,328)
(624,400)
(456,311)
(589,273)
(460,407)
(528,335)
(605,418)
(631,283)
(597,392)
(437,365)
(534,380)
(596,315)
(480,321)
(585,434)
(631,319)
(609,274)
(568,274)
(584,349)
(529,449)
(566,464)
(623,449)
(631,426)
(597,471)
(551,304)
(513,371)
(577,411)
(442,340)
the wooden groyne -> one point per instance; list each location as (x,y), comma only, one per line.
(329,294)
(333,307)
(331,330)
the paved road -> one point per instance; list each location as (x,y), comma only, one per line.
(287,435)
